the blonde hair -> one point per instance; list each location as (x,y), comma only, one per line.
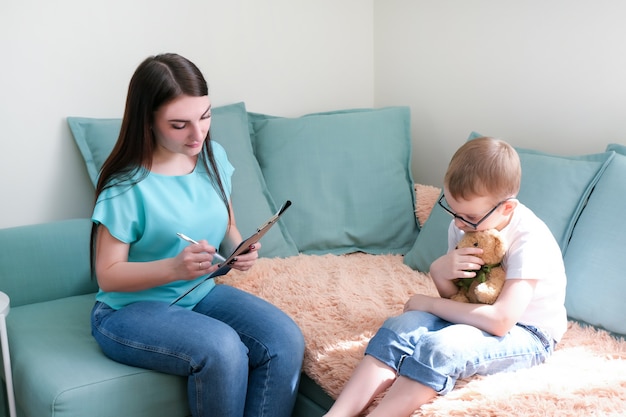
(484,166)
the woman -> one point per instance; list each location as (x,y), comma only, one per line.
(241,355)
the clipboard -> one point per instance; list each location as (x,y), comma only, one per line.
(242,248)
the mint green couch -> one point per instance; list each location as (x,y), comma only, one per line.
(348,176)
(58,369)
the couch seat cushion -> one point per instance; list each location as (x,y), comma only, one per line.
(55,356)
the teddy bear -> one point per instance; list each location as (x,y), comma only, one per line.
(485,287)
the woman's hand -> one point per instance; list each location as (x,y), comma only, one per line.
(232,240)
(195,260)
(245,261)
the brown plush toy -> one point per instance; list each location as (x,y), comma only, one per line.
(485,287)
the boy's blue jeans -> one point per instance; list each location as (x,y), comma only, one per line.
(242,356)
(436,353)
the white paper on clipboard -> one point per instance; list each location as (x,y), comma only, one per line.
(242,248)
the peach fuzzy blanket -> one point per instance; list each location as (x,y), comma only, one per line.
(340,301)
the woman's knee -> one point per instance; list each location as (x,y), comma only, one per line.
(287,343)
(220,352)
(218,340)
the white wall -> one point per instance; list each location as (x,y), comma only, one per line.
(75,58)
(543,74)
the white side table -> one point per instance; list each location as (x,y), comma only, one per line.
(5,306)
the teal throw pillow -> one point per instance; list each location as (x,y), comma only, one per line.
(555,187)
(616,147)
(95,139)
(348,176)
(595,276)
(432,241)
(252,201)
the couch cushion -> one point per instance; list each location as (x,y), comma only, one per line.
(348,176)
(252,201)
(55,356)
(555,187)
(596,281)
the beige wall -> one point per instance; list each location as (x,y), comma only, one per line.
(543,74)
(75,58)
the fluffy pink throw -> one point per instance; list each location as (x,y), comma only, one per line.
(340,301)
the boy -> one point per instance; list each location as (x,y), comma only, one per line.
(423,352)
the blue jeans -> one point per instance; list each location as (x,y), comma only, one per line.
(436,353)
(241,355)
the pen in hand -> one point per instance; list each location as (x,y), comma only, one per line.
(216,255)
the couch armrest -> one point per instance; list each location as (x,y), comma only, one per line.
(46,261)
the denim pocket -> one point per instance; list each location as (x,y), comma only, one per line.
(547,342)
(99,312)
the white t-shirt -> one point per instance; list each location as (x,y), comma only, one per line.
(533,253)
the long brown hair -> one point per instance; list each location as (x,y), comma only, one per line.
(156,81)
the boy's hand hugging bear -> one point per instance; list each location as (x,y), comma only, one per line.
(485,287)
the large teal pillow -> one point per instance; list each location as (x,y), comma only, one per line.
(596,282)
(555,187)
(348,176)
(252,201)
